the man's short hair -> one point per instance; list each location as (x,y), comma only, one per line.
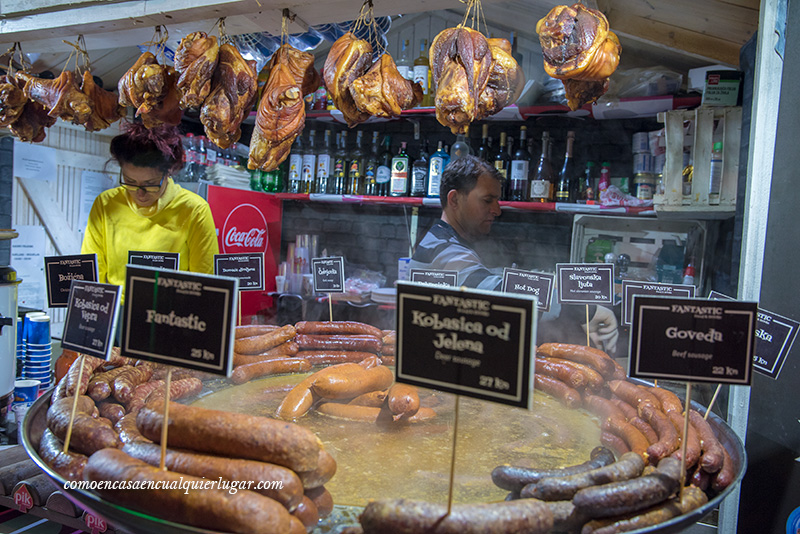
(462,175)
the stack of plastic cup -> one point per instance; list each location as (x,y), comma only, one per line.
(38,351)
(20,346)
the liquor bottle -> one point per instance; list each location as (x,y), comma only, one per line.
(461,147)
(355,166)
(587,185)
(200,157)
(383,175)
(438,162)
(567,175)
(502,162)
(324,160)
(272,181)
(404,65)
(419,172)
(605,177)
(211,153)
(189,155)
(340,165)
(483,150)
(296,165)
(398,186)
(516,55)
(520,165)
(309,163)
(422,73)
(544,178)
(371,167)
(715,180)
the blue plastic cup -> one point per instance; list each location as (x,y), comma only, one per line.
(39,330)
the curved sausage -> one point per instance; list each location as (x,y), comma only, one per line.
(297,402)
(601,407)
(630,465)
(636,441)
(712,458)
(337,327)
(569,375)
(125,383)
(243,512)
(307,513)
(90,363)
(141,393)
(566,395)
(320,475)
(323,500)
(724,477)
(644,427)
(328,357)
(367,414)
(692,441)
(514,478)
(627,410)
(700,479)
(251,330)
(111,411)
(69,464)
(100,385)
(669,401)
(228,434)
(178,389)
(668,440)
(245,373)
(594,358)
(88,434)
(615,443)
(284,485)
(423,414)
(403,400)
(388,360)
(372,398)
(288,348)
(338,342)
(628,496)
(348,386)
(264,342)
(127,429)
(632,394)
(415,517)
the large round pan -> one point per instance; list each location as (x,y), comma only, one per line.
(134,522)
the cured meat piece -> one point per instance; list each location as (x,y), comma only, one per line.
(580,50)
(129,95)
(348,58)
(106,108)
(12,100)
(195,62)
(300,64)
(383,92)
(233,93)
(505,81)
(62,97)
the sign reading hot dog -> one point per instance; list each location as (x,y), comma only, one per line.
(585,283)
(60,271)
(91,318)
(328,274)
(433,276)
(694,340)
(161,260)
(179,318)
(530,283)
(470,342)
(631,288)
(248,268)
(775,335)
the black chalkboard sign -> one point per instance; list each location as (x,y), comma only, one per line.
(530,283)
(470,342)
(775,335)
(248,268)
(60,271)
(435,277)
(585,283)
(160,260)
(630,288)
(694,340)
(91,318)
(328,274)
(179,318)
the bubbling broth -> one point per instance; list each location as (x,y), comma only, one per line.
(412,461)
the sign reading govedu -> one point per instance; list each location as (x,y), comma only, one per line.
(60,271)
(470,342)
(328,274)
(585,283)
(91,318)
(248,268)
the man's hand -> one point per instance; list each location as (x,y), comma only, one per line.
(603,331)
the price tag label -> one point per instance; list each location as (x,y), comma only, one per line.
(585,283)
(161,260)
(631,288)
(435,277)
(60,271)
(694,340)
(180,318)
(91,318)
(470,342)
(248,268)
(328,274)
(775,335)
(530,283)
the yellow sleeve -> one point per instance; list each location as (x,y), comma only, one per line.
(202,241)
(94,240)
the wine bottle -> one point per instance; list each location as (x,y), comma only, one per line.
(324,160)
(422,73)
(296,165)
(544,177)
(371,167)
(383,176)
(404,65)
(502,162)
(398,186)
(355,173)
(419,172)
(566,177)
(340,165)
(461,147)
(483,150)
(520,165)
(309,163)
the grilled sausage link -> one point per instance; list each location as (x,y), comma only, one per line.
(514,478)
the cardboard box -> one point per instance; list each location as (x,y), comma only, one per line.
(697,76)
(723,88)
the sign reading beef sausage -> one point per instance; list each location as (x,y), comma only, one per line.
(469,342)
(328,274)
(91,318)
(248,268)
(162,260)
(630,288)
(60,271)
(435,277)
(530,283)
(585,283)
(179,318)
(694,340)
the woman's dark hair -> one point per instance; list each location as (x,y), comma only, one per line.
(462,175)
(159,148)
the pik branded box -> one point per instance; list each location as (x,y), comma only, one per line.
(723,88)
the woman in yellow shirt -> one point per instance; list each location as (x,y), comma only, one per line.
(148,211)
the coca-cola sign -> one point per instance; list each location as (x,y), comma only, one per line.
(245,230)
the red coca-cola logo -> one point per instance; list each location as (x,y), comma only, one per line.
(245,230)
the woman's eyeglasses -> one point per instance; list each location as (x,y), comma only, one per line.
(145,188)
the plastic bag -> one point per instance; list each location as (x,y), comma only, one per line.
(613,196)
(651,81)
(362,280)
